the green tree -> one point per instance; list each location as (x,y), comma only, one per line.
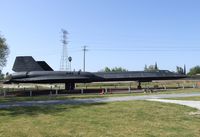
(7,76)
(145,67)
(4,51)
(115,69)
(118,69)
(107,69)
(1,75)
(195,70)
(151,67)
(156,66)
(179,70)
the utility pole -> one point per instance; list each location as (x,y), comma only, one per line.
(184,69)
(84,50)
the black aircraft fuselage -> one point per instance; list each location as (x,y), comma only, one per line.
(30,71)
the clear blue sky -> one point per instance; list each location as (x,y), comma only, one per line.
(126,33)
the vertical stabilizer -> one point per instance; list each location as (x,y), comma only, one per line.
(26,63)
(44,65)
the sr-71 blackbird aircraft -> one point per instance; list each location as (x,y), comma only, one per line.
(30,71)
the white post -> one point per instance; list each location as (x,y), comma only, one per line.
(30,93)
(56,92)
(165,87)
(106,90)
(183,86)
(129,89)
(81,91)
(4,93)
(50,93)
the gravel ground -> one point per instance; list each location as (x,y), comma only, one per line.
(95,100)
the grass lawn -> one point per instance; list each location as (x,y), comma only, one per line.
(117,119)
(35,98)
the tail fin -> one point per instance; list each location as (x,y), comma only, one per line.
(44,65)
(27,63)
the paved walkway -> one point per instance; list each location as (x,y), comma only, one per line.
(95,100)
(194,104)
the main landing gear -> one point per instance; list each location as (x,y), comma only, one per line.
(69,86)
(139,85)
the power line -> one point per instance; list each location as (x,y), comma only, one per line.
(137,49)
(140,49)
